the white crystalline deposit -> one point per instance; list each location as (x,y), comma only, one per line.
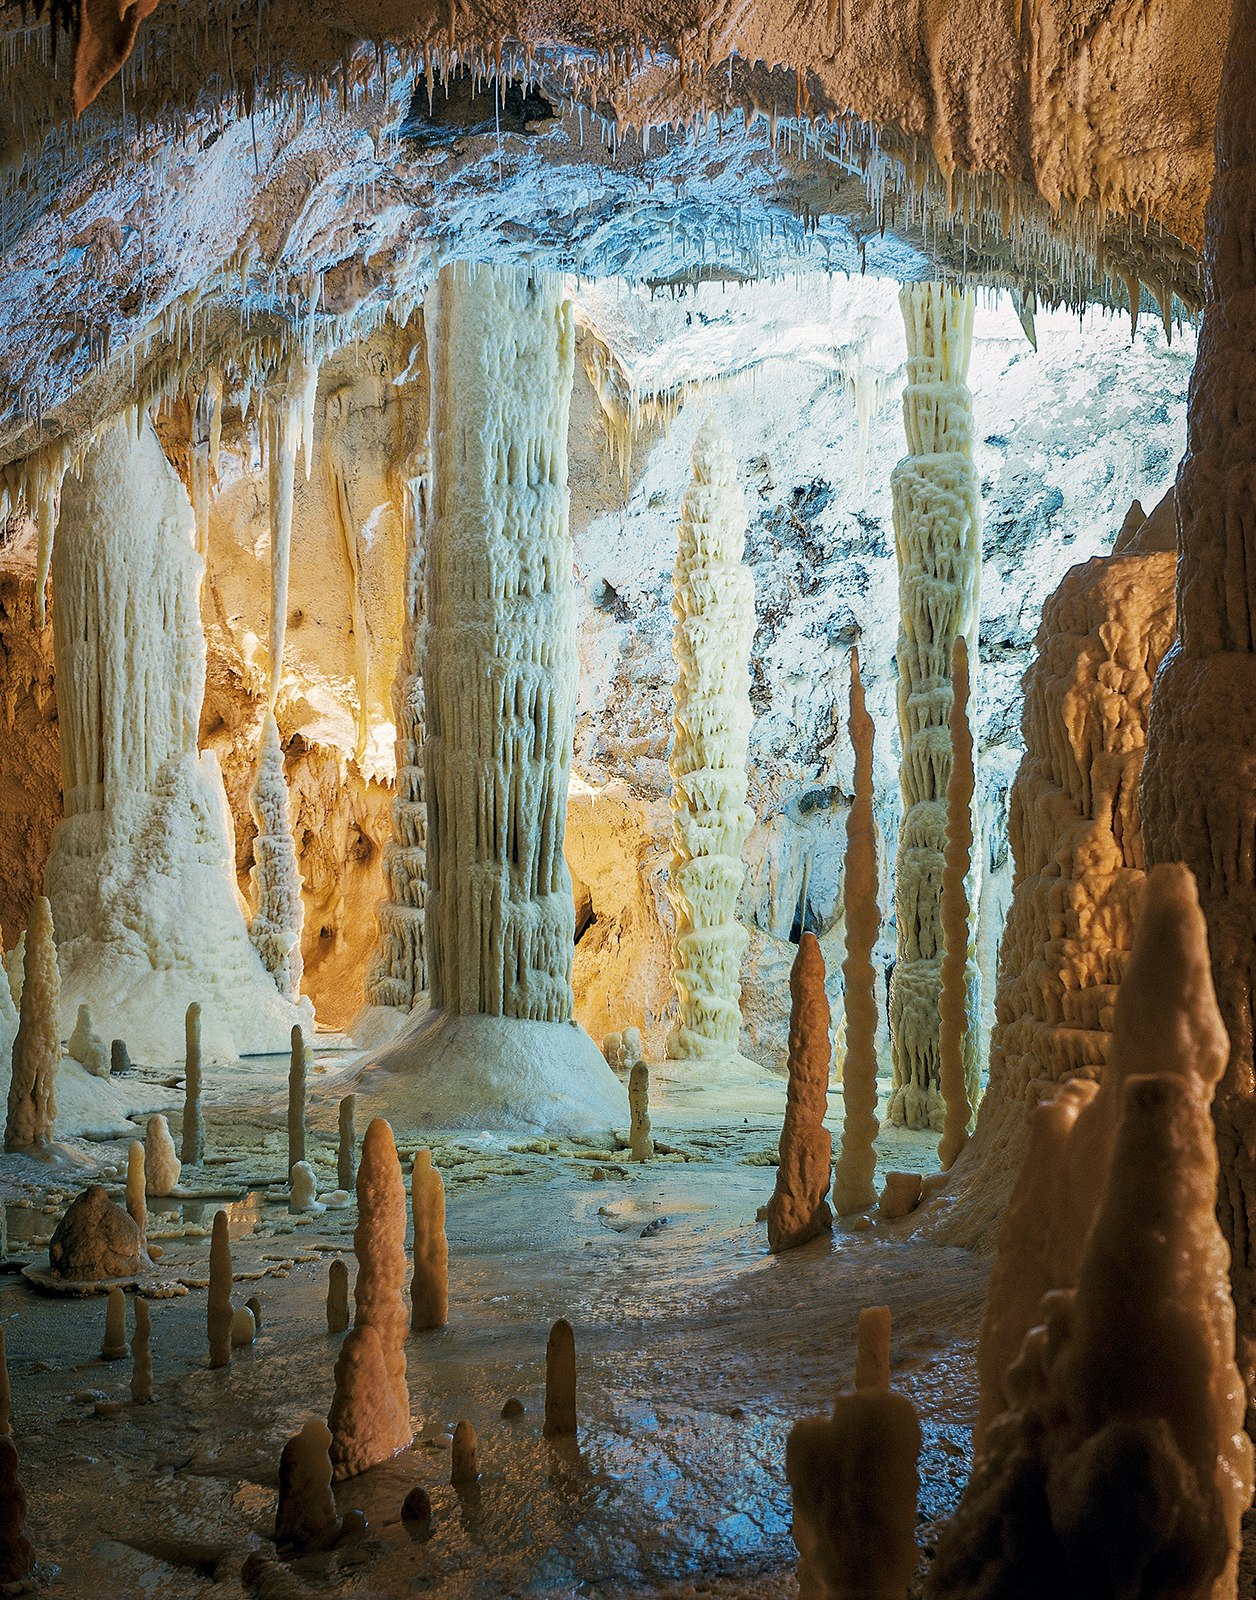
(937,532)
(276,877)
(140,870)
(713,607)
(86,1046)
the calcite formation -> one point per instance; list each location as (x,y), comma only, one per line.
(276,879)
(17,1553)
(640,1142)
(96,1239)
(162,1168)
(713,609)
(145,833)
(306,1518)
(560,1382)
(799,1209)
(218,1312)
(429,1287)
(113,1347)
(379,1243)
(955,1012)
(297,1071)
(1076,837)
(853,1173)
(346,1148)
(32,1109)
(337,1296)
(937,533)
(192,1148)
(1199,779)
(363,1419)
(86,1046)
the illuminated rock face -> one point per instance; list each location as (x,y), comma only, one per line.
(139,871)
(713,606)
(937,531)
(1199,780)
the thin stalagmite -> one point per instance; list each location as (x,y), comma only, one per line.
(379,1243)
(32,1111)
(937,536)
(346,1149)
(218,1312)
(297,1072)
(872,1349)
(192,1148)
(798,1210)
(276,876)
(955,1011)
(137,1190)
(306,1519)
(853,1187)
(338,1296)
(429,1287)
(560,1382)
(113,1348)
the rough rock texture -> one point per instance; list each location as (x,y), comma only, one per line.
(218,1312)
(956,1018)
(1200,775)
(161,1164)
(85,1044)
(32,1105)
(306,1517)
(379,1243)
(95,1239)
(798,1209)
(1076,839)
(141,1355)
(713,611)
(640,1142)
(192,1148)
(363,1421)
(560,1382)
(297,1069)
(337,1296)
(937,533)
(17,1553)
(275,930)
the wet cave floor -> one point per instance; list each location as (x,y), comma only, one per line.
(696,1351)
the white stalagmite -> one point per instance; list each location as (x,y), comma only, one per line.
(87,1047)
(713,608)
(959,956)
(398,973)
(161,1165)
(497,1047)
(937,533)
(298,1070)
(853,1174)
(141,870)
(32,1111)
(276,877)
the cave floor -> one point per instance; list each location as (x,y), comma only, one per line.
(696,1350)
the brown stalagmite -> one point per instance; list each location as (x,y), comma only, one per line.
(363,1420)
(464,1466)
(141,1355)
(337,1296)
(854,1481)
(1199,778)
(959,957)
(136,1190)
(218,1312)
(560,1382)
(32,1111)
(114,1346)
(379,1242)
(306,1519)
(798,1210)
(872,1349)
(853,1188)
(17,1553)
(297,1072)
(640,1143)
(346,1152)
(192,1148)
(429,1288)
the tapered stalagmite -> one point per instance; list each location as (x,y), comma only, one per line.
(141,1355)
(276,876)
(1199,778)
(297,1071)
(86,1046)
(937,533)
(113,1347)
(854,1480)
(363,1419)
(32,1112)
(218,1311)
(379,1242)
(713,608)
(798,1209)
(853,1188)
(429,1288)
(306,1519)
(560,1382)
(17,1553)
(337,1296)
(192,1149)
(640,1143)
(346,1151)
(464,1464)
(161,1166)
(137,1190)
(955,1011)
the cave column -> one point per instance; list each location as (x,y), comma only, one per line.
(1199,776)
(937,531)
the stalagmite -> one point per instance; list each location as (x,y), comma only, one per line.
(500,678)
(464,1467)
(218,1311)
(119,1058)
(798,1209)
(192,1150)
(141,1355)
(379,1242)
(161,1165)
(243,1328)
(87,1047)
(560,1382)
(37,1048)
(363,1418)
(937,531)
(854,1480)
(276,877)
(17,1553)
(1199,780)
(296,1097)
(713,608)
(853,1188)
(337,1296)
(954,1009)
(872,1349)
(95,1240)
(146,833)
(429,1288)
(114,1346)
(306,1518)
(303,1189)
(398,973)
(346,1152)
(640,1144)
(137,1189)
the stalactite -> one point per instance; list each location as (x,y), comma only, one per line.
(289,424)
(713,607)
(853,1187)
(337,466)
(276,876)
(1199,778)
(500,664)
(206,434)
(937,537)
(398,974)
(955,1008)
